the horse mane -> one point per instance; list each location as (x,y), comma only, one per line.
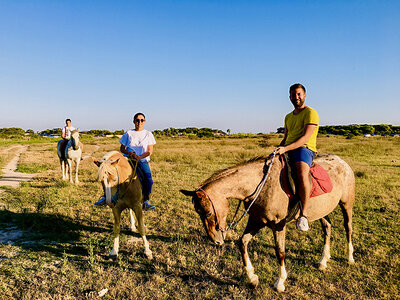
(230,170)
(104,167)
(73,131)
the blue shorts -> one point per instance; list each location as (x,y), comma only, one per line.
(302,154)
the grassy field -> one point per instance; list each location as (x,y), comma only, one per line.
(59,243)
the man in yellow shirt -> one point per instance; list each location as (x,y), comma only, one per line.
(300,142)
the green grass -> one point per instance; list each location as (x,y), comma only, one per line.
(62,251)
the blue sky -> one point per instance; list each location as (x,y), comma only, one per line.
(218,64)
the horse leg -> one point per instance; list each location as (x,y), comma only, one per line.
(77,169)
(117,220)
(62,162)
(139,217)
(279,237)
(69,161)
(326,255)
(132,218)
(251,230)
(348,220)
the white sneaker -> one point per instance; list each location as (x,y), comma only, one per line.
(302,224)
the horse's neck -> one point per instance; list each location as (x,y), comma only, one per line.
(240,184)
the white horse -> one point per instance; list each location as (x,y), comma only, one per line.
(72,153)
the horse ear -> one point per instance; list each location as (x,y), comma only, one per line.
(96,162)
(188,193)
(113,163)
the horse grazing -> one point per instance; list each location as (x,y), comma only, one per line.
(271,207)
(123,190)
(72,153)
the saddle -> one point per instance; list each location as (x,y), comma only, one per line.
(319,180)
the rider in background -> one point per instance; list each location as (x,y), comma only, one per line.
(66,135)
(300,142)
(137,144)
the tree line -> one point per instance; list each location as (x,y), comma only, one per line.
(344,130)
(356,130)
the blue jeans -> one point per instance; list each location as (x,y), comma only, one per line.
(148,184)
(301,154)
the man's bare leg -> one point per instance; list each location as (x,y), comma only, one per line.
(304,187)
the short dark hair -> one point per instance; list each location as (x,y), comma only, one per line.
(297,86)
(67,120)
(137,115)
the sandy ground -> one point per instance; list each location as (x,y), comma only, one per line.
(10,177)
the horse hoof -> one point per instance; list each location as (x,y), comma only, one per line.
(133,229)
(351,261)
(254,281)
(113,256)
(322,267)
(279,286)
(149,255)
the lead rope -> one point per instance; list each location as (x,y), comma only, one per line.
(258,189)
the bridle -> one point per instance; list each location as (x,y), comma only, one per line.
(212,204)
(256,193)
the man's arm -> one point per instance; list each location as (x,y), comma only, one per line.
(307,132)
(63,133)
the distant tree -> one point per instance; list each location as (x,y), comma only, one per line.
(119,132)
(12,131)
(280,130)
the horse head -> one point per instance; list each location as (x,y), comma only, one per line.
(75,139)
(209,214)
(109,177)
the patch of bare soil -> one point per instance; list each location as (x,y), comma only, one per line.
(10,177)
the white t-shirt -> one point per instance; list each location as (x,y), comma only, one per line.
(138,141)
(67,131)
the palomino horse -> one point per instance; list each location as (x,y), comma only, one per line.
(271,207)
(72,153)
(123,190)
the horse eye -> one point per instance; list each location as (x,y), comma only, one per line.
(208,215)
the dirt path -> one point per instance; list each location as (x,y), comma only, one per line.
(10,177)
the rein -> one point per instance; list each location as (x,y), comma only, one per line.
(256,192)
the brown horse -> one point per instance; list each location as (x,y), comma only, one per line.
(271,207)
(121,185)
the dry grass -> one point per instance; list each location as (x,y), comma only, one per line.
(59,241)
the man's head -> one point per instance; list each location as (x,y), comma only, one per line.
(68,122)
(297,95)
(139,119)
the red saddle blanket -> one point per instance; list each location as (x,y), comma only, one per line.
(320,181)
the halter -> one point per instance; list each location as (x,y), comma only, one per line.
(212,204)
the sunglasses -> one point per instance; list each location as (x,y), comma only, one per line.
(139,120)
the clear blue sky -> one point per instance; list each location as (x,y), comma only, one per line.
(218,64)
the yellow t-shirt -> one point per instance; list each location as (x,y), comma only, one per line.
(294,125)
